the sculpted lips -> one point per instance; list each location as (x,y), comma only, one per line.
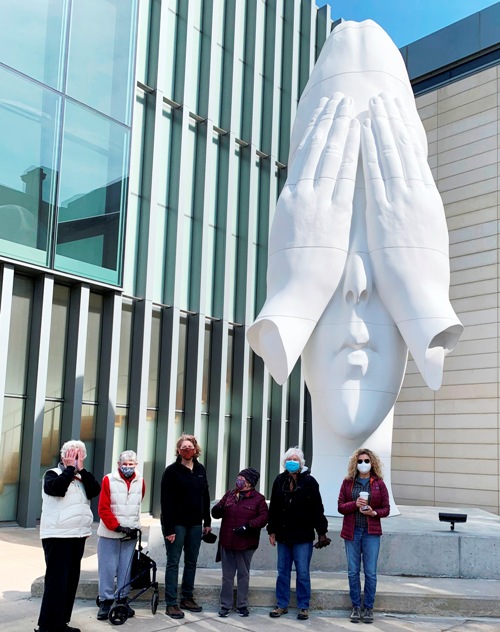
(356,357)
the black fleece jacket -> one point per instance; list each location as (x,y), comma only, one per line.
(185,499)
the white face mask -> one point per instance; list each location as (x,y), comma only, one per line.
(364,468)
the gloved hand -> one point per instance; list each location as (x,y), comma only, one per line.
(322,541)
(243,530)
(129,532)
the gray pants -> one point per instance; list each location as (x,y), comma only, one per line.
(235,562)
(114,559)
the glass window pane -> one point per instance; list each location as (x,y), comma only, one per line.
(33,35)
(149,458)
(120,434)
(93,348)
(10,447)
(102,38)
(205,390)
(92,195)
(125,351)
(229,373)
(181,365)
(51,441)
(57,344)
(154,360)
(87,433)
(29,120)
(19,336)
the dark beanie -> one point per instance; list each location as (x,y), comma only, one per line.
(251,475)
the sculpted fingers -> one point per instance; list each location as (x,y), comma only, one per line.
(343,193)
(387,149)
(374,181)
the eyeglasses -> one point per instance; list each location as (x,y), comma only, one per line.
(363,460)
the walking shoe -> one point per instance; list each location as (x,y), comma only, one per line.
(303,615)
(104,608)
(243,612)
(191,605)
(68,628)
(355,615)
(174,612)
(277,612)
(130,611)
(368,616)
(224,612)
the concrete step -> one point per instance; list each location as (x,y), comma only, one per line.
(395,594)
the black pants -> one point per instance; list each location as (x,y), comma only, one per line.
(62,558)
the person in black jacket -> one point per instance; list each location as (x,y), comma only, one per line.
(295,513)
(185,506)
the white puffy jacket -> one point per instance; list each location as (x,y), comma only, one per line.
(67,516)
(125,504)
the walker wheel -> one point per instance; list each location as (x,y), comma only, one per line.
(118,614)
(155,598)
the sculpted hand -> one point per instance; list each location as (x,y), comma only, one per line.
(407,236)
(309,237)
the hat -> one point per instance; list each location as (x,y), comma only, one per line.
(251,475)
(209,537)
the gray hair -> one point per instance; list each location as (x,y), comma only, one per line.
(294,451)
(75,444)
(128,455)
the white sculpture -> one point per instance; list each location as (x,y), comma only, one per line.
(358,268)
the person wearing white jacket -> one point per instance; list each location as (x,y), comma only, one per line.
(119,510)
(65,525)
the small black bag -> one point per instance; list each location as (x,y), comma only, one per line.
(141,570)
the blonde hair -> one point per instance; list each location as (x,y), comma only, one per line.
(188,437)
(376,465)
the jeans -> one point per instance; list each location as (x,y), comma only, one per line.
(366,546)
(301,555)
(189,539)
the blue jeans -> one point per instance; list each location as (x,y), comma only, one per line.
(189,539)
(366,546)
(300,554)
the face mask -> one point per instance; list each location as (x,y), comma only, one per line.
(240,483)
(127,470)
(187,454)
(292,466)
(364,468)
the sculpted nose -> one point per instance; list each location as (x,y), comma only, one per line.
(357,279)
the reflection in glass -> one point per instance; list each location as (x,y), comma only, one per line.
(149,457)
(181,365)
(92,195)
(51,436)
(120,434)
(102,38)
(93,348)
(33,34)
(19,336)
(154,360)
(229,372)
(10,447)
(205,391)
(125,353)
(87,432)
(29,119)
(57,344)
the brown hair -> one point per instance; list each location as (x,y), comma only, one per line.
(352,467)
(188,437)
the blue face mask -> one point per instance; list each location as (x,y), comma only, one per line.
(292,466)
(127,471)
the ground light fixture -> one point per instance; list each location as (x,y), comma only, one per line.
(452,518)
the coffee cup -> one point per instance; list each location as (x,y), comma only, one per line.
(364,495)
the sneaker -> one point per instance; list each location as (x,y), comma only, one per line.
(191,605)
(368,615)
(130,611)
(243,612)
(174,612)
(224,612)
(104,608)
(355,615)
(303,615)
(277,612)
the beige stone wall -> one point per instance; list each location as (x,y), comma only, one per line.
(446,444)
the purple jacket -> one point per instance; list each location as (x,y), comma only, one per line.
(250,509)
(379,501)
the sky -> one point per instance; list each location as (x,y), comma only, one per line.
(406,20)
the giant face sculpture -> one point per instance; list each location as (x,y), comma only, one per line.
(358,268)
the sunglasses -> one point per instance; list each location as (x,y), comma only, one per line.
(363,460)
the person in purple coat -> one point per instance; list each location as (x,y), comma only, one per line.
(363,501)
(244,513)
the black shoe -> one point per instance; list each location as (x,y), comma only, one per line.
(303,614)
(190,604)
(130,611)
(243,612)
(104,608)
(355,615)
(224,612)
(368,615)
(68,628)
